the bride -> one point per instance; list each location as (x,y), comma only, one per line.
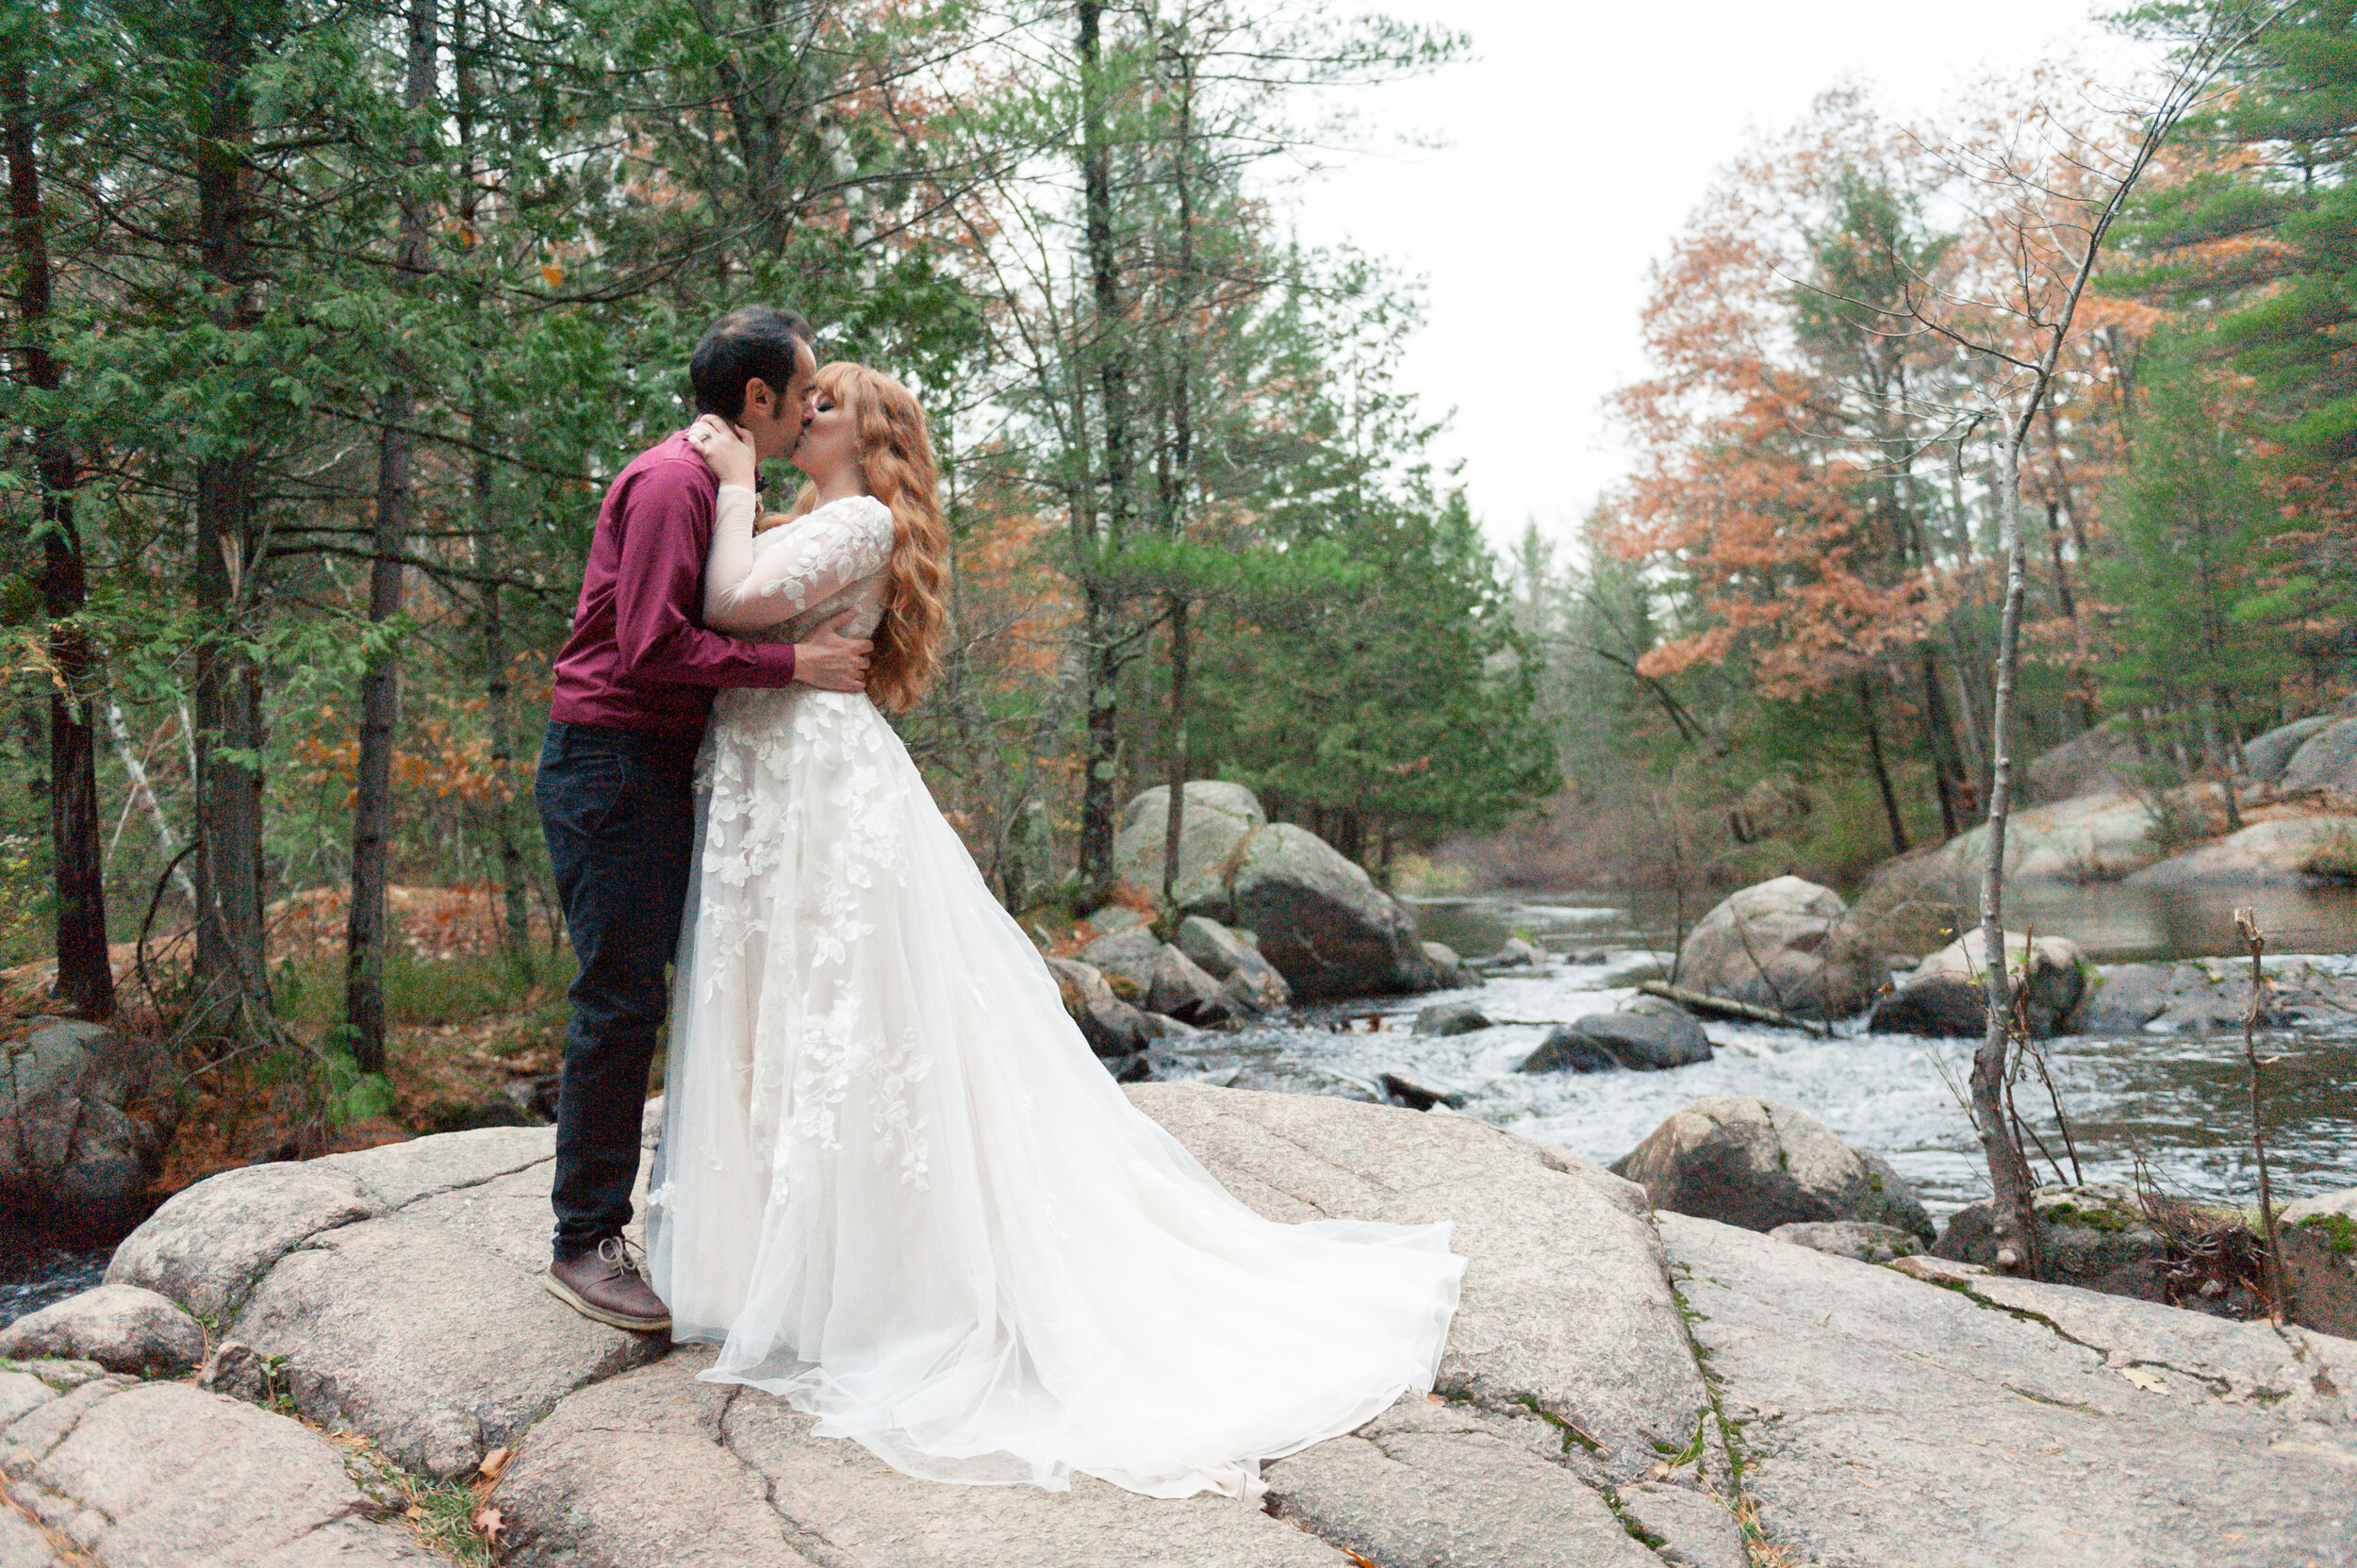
(896,1187)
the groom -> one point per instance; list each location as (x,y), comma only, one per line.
(633,687)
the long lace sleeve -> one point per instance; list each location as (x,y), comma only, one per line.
(750,590)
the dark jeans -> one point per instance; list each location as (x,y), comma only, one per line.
(617,810)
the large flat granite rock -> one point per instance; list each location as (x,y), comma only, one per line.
(399,1287)
(128,1474)
(1567,1321)
(1882,1417)
(1890,1421)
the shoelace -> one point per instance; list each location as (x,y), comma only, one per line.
(622,1256)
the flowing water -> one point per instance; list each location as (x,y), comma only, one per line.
(2180,1102)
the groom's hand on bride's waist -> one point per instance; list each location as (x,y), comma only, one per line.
(831,660)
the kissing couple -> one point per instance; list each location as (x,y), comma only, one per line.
(895,1185)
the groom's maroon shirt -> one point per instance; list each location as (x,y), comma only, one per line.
(640,657)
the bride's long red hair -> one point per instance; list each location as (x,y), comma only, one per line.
(897,457)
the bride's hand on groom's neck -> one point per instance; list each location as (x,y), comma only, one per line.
(724,449)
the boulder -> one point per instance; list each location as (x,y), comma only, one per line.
(1851,1238)
(1181,989)
(1415,1095)
(2093,838)
(1565,1049)
(1235,963)
(2275,853)
(1786,943)
(80,1135)
(167,1473)
(242,1372)
(2054,975)
(1321,921)
(2326,760)
(2122,998)
(2209,996)
(2102,1430)
(1641,1042)
(1649,1038)
(2319,1256)
(1451,970)
(1944,1006)
(1452,1017)
(1114,1030)
(1154,975)
(122,1327)
(1758,1165)
(2088,1235)
(2322,1206)
(2103,761)
(2265,757)
(1113,917)
(1912,904)
(1218,817)
(1518,953)
(1127,960)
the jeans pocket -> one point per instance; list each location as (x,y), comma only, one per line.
(589,793)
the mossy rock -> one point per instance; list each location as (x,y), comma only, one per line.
(2340,1228)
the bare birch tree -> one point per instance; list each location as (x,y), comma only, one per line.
(2058,206)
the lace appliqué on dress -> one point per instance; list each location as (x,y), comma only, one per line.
(829,749)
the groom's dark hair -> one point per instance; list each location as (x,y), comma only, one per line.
(752,340)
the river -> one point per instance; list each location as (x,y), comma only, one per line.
(2180,1102)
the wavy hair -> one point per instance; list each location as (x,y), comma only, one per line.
(897,458)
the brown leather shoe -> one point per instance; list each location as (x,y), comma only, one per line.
(605,1284)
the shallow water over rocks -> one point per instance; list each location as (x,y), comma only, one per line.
(2179,1101)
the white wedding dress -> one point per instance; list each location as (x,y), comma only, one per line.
(896,1187)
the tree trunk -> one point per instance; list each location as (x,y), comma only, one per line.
(1938,735)
(1112,351)
(85,978)
(380,687)
(1969,727)
(1881,773)
(1098,788)
(499,715)
(1175,819)
(1101,601)
(1178,482)
(143,792)
(2009,1173)
(232,981)
(2070,608)
(499,706)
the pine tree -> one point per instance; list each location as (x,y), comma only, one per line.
(2188,526)
(2271,231)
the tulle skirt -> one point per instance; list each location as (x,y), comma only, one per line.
(897,1189)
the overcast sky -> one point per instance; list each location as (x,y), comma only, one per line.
(1580,139)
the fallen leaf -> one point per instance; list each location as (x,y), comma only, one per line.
(494,1463)
(488,1524)
(2148,1382)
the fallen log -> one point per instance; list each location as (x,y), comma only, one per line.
(1721,1007)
